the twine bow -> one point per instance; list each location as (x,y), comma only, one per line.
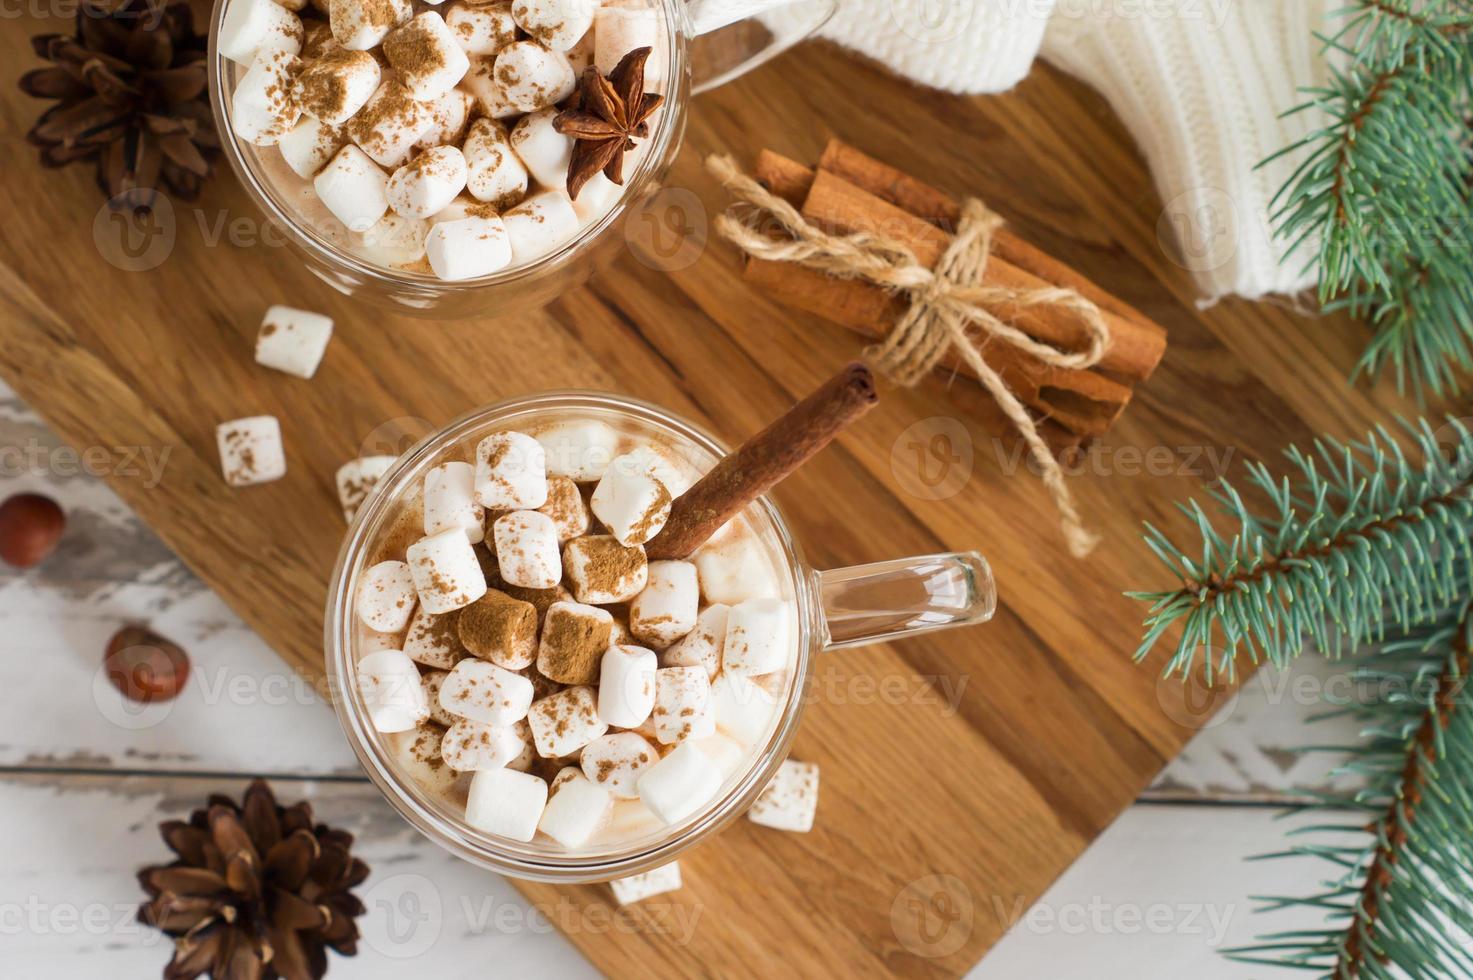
(946,305)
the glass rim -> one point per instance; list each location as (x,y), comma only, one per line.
(501,854)
(659,144)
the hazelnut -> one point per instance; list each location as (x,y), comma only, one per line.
(145,666)
(30,527)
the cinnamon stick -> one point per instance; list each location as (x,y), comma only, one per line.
(763,461)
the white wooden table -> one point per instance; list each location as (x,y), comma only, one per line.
(85,778)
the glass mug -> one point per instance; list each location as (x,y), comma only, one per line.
(734,39)
(830,609)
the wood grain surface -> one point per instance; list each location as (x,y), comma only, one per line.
(976,763)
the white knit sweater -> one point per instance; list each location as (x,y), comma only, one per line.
(1201,84)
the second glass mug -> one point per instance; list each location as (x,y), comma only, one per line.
(729,53)
(830,609)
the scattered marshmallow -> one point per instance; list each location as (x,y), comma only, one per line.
(565,722)
(500,629)
(544,151)
(468,248)
(743,709)
(486,693)
(533,77)
(574,638)
(250,26)
(636,888)
(666,610)
(683,705)
(352,187)
(527,549)
(392,692)
(540,225)
(494,172)
(577,811)
(264,107)
(451,112)
(506,803)
(566,507)
(310,145)
(337,84)
(702,646)
(488,93)
(733,570)
(357,478)
(293,340)
(626,686)
(362,24)
(756,637)
(580,451)
(632,503)
(481,29)
(385,599)
(251,451)
(620,30)
(427,184)
(679,784)
(434,640)
(511,474)
(603,571)
(390,124)
(450,501)
(615,762)
(447,573)
(470,746)
(790,800)
(426,57)
(558,24)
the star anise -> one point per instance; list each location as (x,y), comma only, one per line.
(605,119)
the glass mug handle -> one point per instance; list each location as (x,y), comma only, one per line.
(906,597)
(729,47)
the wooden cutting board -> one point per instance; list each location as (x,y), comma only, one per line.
(961,771)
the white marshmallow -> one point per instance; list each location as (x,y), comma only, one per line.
(392,692)
(426,57)
(657,463)
(580,451)
(566,508)
(494,173)
(533,77)
(666,609)
(790,800)
(620,30)
(540,225)
(293,340)
(250,26)
(434,680)
(559,24)
(432,641)
(264,107)
(352,187)
(482,29)
(527,549)
(449,501)
(603,571)
(630,820)
(726,752)
(359,25)
(450,112)
(337,84)
(428,183)
(470,746)
(251,450)
(357,478)
(756,637)
(511,473)
(506,803)
(632,503)
(596,199)
(683,705)
(636,888)
(447,574)
(580,55)
(743,709)
(733,570)
(308,147)
(486,693)
(615,761)
(490,97)
(418,753)
(385,599)
(564,722)
(390,124)
(468,248)
(295,6)
(626,686)
(576,812)
(702,646)
(679,784)
(394,240)
(545,152)
(528,754)
(564,775)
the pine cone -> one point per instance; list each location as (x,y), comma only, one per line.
(130,90)
(258,891)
